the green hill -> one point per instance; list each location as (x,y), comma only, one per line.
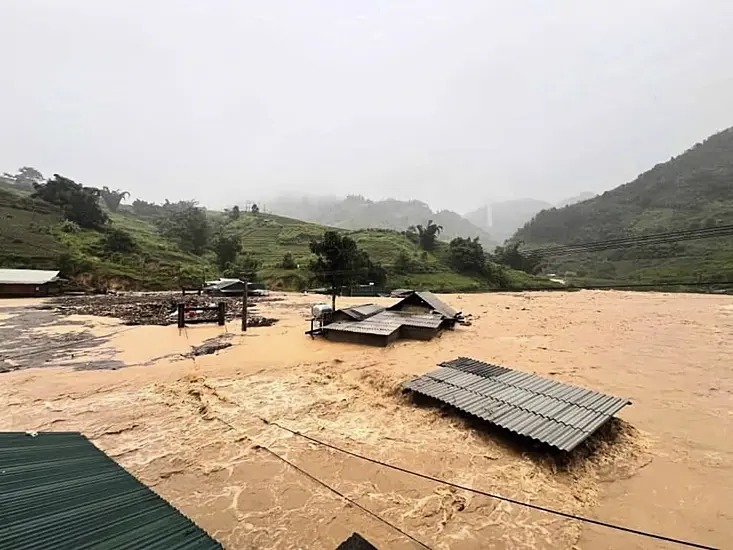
(691,191)
(33,234)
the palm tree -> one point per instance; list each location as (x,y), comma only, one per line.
(428,235)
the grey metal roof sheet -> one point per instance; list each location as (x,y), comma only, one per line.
(437,304)
(427,320)
(359,313)
(555,413)
(368,326)
(27,276)
(57,490)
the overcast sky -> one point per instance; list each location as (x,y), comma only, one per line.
(450,102)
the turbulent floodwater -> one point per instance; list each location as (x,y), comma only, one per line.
(193,429)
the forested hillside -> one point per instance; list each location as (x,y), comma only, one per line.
(693,190)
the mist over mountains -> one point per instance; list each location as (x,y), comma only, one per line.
(492,223)
(358,212)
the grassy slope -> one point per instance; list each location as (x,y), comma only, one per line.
(32,237)
(691,191)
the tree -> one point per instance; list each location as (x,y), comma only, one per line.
(187,224)
(339,262)
(26,178)
(255,209)
(146,209)
(117,240)
(511,256)
(246,266)
(428,235)
(227,249)
(113,198)
(288,261)
(234,213)
(79,204)
(467,256)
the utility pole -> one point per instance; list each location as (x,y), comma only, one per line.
(244,307)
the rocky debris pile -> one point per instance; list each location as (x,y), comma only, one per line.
(155,308)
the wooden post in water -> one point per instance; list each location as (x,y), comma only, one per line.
(221,314)
(244,307)
(180,309)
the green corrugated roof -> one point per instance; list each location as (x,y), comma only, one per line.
(58,491)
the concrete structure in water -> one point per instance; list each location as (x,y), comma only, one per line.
(28,283)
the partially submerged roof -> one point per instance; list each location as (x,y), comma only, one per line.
(359,313)
(430,300)
(369,326)
(27,276)
(385,323)
(221,284)
(57,490)
(356,542)
(555,413)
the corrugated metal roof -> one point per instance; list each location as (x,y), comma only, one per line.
(57,490)
(27,276)
(427,320)
(385,323)
(430,300)
(555,413)
(364,327)
(359,313)
(437,304)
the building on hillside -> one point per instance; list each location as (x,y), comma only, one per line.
(57,490)
(29,283)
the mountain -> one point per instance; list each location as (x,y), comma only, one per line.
(356,212)
(34,234)
(691,191)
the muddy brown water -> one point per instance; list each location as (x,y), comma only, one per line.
(192,429)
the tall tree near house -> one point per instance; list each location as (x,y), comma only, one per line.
(338,263)
(113,198)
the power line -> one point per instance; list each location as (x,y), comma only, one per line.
(327,486)
(489,495)
(652,239)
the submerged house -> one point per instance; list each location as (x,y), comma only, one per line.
(418,316)
(28,283)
